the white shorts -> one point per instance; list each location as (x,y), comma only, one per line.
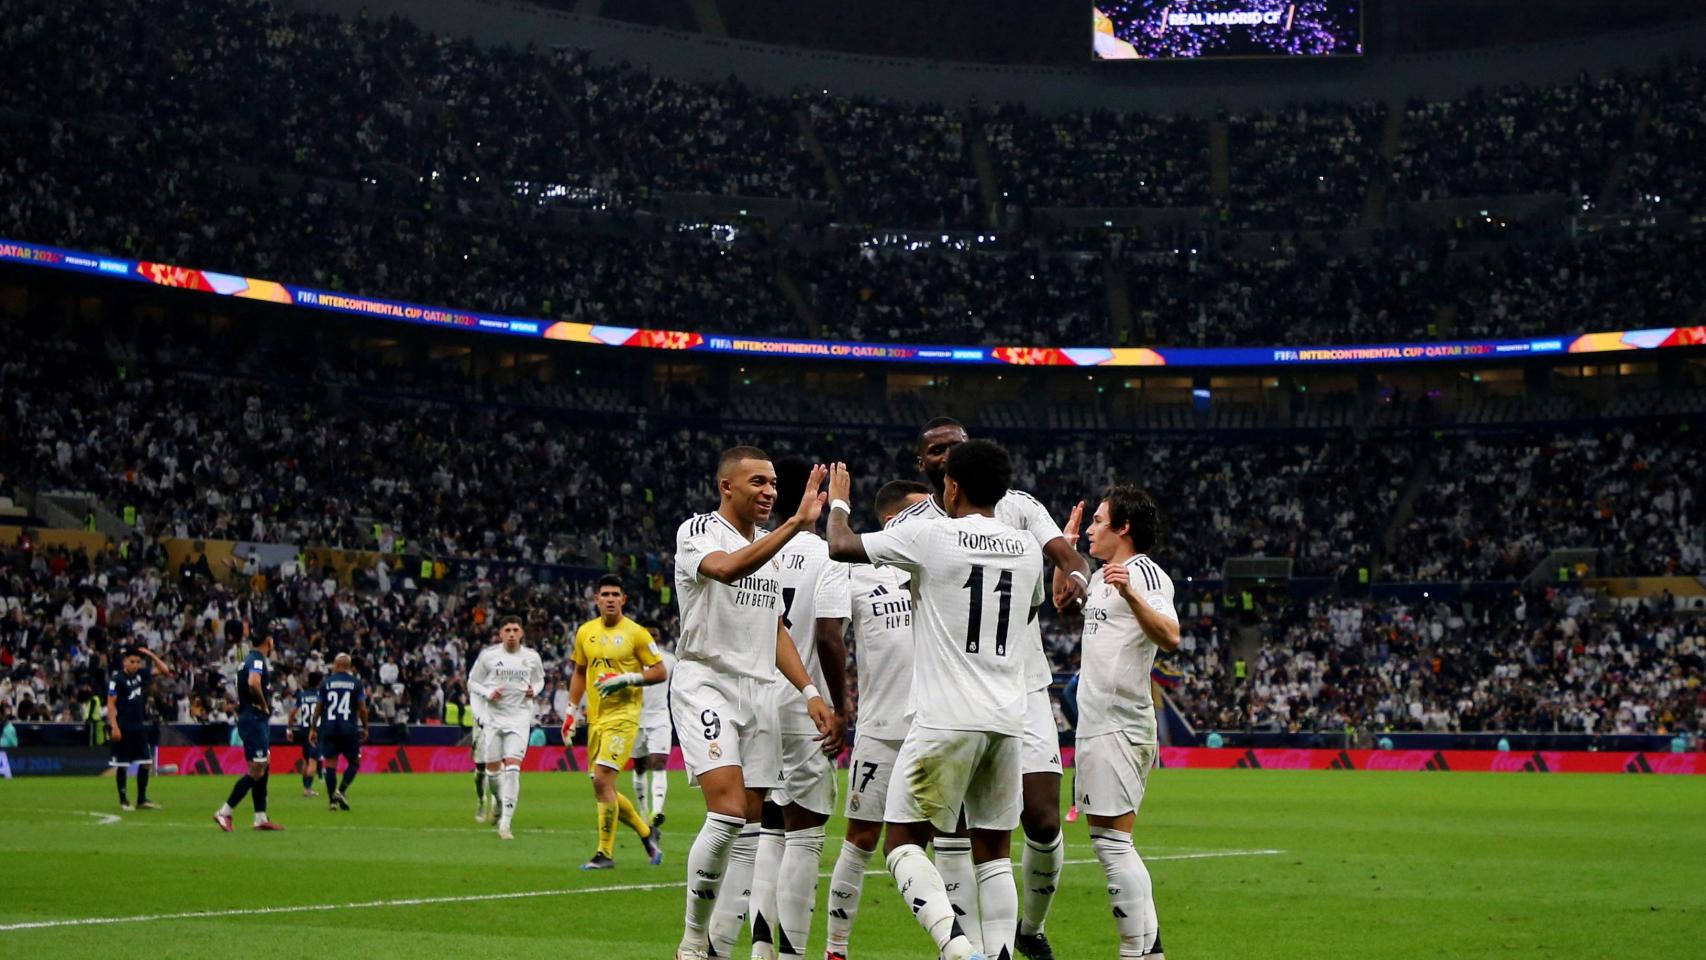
(868,776)
(940,772)
(725,721)
(1041,750)
(492,744)
(808,776)
(654,741)
(1110,774)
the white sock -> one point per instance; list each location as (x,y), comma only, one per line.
(771,844)
(225,810)
(1041,865)
(922,891)
(959,876)
(1130,891)
(845,886)
(260,818)
(796,891)
(998,900)
(509,789)
(706,862)
(658,781)
(641,798)
(736,894)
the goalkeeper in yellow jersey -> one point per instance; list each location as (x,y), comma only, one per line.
(618,656)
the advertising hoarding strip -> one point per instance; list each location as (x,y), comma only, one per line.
(205,281)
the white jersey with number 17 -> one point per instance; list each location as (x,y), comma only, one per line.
(976,581)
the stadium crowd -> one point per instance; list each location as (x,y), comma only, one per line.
(65,615)
(1543,662)
(1494,506)
(368,156)
(225,438)
(526,498)
(1561,138)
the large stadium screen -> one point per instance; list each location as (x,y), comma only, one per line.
(1216,29)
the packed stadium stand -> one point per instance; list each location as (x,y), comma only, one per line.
(370,156)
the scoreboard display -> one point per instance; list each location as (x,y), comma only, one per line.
(1225,29)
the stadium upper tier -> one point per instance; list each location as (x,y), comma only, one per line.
(370,157)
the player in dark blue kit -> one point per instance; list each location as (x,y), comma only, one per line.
(340,723)
(127,723)
(253,709)
(302,731)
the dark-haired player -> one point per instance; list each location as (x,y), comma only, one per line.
(1044,854)
(127,723)
(881,600)
(508,677)
(1128,616)
(340,721)
(253,711)
(732,646)
(613,660)
(302,728)
(975,581)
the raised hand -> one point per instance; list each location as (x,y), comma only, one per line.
(840,482)
(811,504)
(1070,531)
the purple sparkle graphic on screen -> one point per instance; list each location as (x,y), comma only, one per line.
(1157,29)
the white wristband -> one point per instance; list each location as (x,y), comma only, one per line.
(1080,577)
(840,504)
(809,691)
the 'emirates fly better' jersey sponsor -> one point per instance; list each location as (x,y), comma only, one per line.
(730,628)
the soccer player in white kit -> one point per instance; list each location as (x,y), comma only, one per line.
(790,845)
(976,582)
(1044,854)
(1128,616)
(881,601)
(651,753)
(507,677)
(732,646)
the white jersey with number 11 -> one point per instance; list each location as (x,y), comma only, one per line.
(977,581)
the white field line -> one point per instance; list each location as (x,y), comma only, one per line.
(148,820)
(483,897)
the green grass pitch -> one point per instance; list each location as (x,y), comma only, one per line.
(1363,865)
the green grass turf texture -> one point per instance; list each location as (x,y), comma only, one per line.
(1373,865)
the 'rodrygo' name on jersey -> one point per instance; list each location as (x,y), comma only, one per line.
(976,581)
(1020,511)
